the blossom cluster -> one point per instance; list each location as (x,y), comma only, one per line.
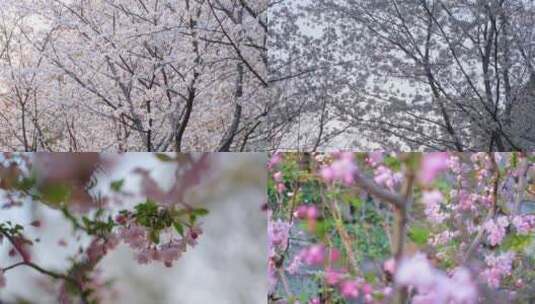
(434,286)
(465,219)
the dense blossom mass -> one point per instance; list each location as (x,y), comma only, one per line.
(403,75)
(454,228)
(123,75)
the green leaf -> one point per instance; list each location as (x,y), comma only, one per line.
(200,212)
(56,193)
(418,235)
(351,199)
(155,236)
(516,242)
(117,185)
(370,277)
(179,228)
(26,183)
(392,163)
(165,157)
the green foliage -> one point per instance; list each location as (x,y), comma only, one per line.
(418,235)
(117,185)
(516,242)
(11,229)
(152,216)
(55,193)
(97,227)
(392,163)
(25,184)
(310,191)
(165,157)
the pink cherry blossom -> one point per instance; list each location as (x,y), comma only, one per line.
(375,157)
(301,212)
(462,287)
(334,255)
(312,212)
(415,271)
(281,187)
(433,285)
(333,277)
(524,223)
(314,301)
(432,201)
(367,288)
(432,164)
(349,289)
(296,262)
(341,169)
(277,176)
(278,232)
(275,159)
(315,255)
(496,229)
(499,266)
(386,177)
(390,265)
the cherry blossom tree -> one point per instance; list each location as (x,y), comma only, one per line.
(161,75)
(438,227)
(422,74)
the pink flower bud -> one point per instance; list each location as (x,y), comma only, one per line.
(301,212)
(349,290)
(312,213)
(277,176)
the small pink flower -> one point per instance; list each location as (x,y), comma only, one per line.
(315,255)
(280,187)
(327,173)
(415,271)
(276,158)
(390,266)
(375,158)
(312,213)
(349,289)
(432,201)
(314,301)
(433,163)
(332,277)
(523,224)
(367,289)
(278,232)
(277,176)
(334,255)
(342,169)
(462,287)
(496,230)
(301,212)
(296,263)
